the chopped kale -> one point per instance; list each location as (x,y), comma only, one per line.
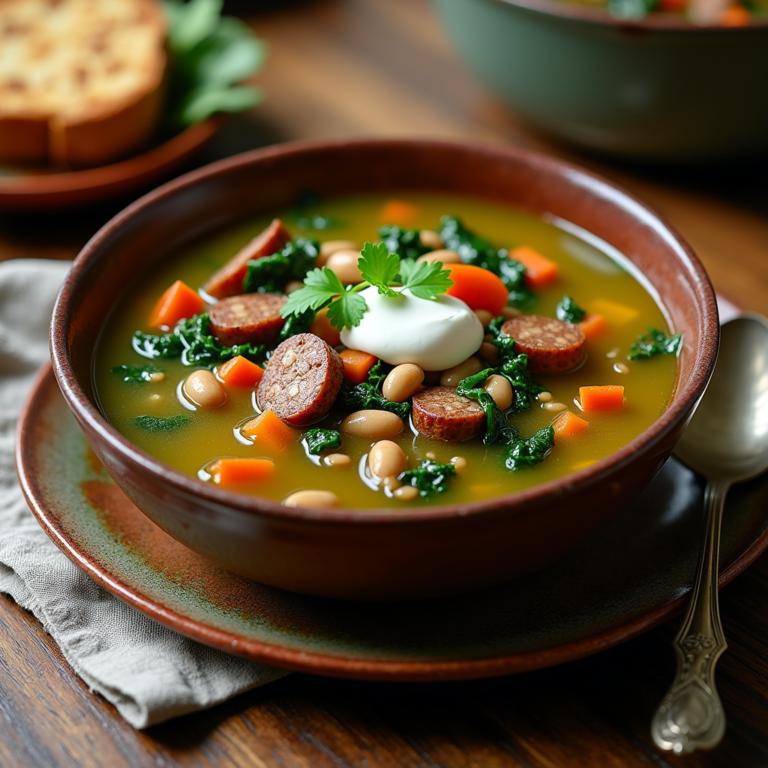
(368,394)
(655,342)
(319,440)
(498,429)
(475,250)
(406,243)
(304,218)
(296,324)
(270,273)
(569,311)
(136,374)
(530,451)
(193,342)
(430,477)
(160,424)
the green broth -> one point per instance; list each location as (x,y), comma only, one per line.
(586,273)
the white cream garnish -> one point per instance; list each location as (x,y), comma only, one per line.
(434,335)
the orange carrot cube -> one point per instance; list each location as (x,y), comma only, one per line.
(240,372)
(606,398)
(357,364)
(398,212)
(539,270)
(321,326)
(232,473)
(177,303)
(593,325)
(568,425)
(269,432)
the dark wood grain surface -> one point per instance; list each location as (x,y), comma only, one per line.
(383,68)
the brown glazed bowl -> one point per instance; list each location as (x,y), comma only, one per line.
(356,553)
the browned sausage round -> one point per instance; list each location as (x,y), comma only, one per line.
(228,281)
(552,346)
(439,413)
(253,318)
(302,379)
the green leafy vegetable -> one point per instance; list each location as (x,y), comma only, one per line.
(319,440)
(497,429)
(379,267)
(406,243)
(192,341)
(655,342)
(306,220)
(210,55)
(530,451)
(430,477)
(475,250)
(367,395)
(270,273)
(160,424)
(569,311)
(296,324)
(425,280)
(136,374)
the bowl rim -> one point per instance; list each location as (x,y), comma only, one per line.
(232,502)
(651,22)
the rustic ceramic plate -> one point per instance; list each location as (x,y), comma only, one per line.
(627,579)
(43,189)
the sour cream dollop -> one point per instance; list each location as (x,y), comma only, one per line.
(434,335)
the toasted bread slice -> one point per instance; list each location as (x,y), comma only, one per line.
(81,81)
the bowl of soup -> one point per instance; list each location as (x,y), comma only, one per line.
(603,77)
(384,369)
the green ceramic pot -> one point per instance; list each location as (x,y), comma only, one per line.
(657,89)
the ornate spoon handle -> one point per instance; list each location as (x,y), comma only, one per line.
(691,716)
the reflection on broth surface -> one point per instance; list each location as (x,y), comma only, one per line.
(597,283)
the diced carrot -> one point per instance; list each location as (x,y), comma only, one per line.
(606,398)
(178,302)
(398,212)
(236,472)
(569,425)
(269,432)
(735,16)
(357,364)
(613,312)
(321,326)
(539,270)
(592,325)
(478,288)
(240,372)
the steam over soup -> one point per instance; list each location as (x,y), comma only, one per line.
(381,352)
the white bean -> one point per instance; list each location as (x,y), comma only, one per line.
(406,493)
(499,388)
(484,316)
(431,239)
(205,390)
(337,460)
(387,459)
(443,255)
(510,312)
(402,382)
(329,247)
(312,499)
(344,265)
(378,425)
(453,376)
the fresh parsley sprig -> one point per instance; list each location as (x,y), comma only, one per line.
(380,269)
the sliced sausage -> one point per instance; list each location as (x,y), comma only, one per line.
(552,346)
(439,413)
(228,281)
(302,379)
(252,318)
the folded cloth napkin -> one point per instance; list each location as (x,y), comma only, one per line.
(148,672)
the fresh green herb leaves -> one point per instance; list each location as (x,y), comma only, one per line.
(368,396)
(269,274)
(655,342)
(193,342)
(430,477)
(319,440)
(475,250)
(406,243)
(210,55)
(379,268)
(136,374)
(569,311)
(497,429)
(530,451)
(161,424)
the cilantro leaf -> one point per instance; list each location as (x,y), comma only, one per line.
(425,280)
(430,477)
(347,311)
(320,288)
(530,451)
(379,267)
(319,440)
(655,342)
(569,311)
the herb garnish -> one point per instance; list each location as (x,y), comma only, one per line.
(269,274)
(531,451)
(136,374)
(161,424)
(406,243)
(569,311)
(430,477)
(655,342)
(368,396)
(319,440)
(380,269)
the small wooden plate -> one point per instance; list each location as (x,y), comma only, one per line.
(43,189)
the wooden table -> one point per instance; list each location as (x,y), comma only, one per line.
(373,68)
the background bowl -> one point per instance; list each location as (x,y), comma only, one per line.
(659,88)
(363,554)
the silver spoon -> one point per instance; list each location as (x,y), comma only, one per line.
(727,442)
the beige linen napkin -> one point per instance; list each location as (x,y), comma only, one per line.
(147,671)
